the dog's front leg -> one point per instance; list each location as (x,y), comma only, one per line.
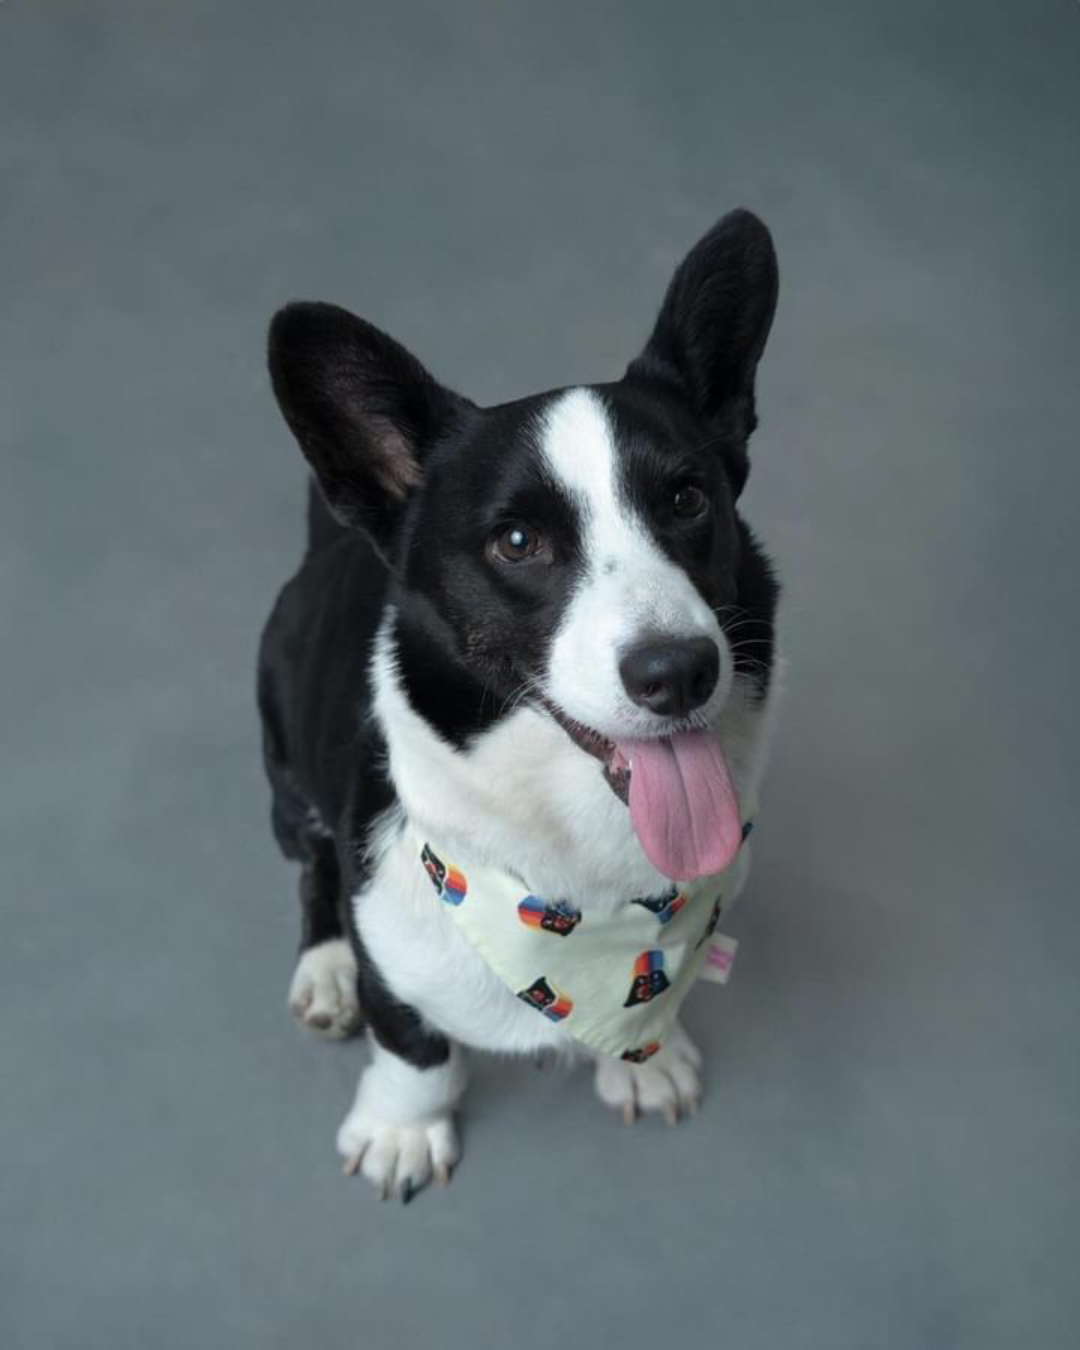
(400,1132)
(669,1082)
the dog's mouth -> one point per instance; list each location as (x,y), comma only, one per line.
(682,801)
(616,767)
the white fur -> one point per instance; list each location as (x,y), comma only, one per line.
(669,1082)
(323,989)
(400,1129)
(629,592)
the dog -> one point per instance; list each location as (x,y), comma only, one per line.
(527,663)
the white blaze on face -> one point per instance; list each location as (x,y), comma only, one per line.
(629,592)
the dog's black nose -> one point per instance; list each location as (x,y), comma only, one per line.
(671,678)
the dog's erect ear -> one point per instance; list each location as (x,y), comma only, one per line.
(363,409)
(712,329)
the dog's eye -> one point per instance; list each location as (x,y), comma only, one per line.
(689,502)
(518,543)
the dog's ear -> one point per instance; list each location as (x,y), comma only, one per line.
(364,410)
(712,330)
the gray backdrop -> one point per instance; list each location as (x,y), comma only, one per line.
(888,1155)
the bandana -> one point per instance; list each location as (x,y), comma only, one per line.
(614,981)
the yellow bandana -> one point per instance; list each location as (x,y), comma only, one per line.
(614,980)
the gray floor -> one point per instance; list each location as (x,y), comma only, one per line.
(889,1154)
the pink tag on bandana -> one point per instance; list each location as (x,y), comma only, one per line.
(719,959)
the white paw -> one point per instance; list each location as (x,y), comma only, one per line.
(398,1159)
(669,1082)
(323,990)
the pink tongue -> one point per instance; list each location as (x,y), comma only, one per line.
(682,804)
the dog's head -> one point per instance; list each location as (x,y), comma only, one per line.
(580,549)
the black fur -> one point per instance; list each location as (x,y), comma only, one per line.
(712,330)
(362,408)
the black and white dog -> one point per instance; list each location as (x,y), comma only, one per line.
(540,633)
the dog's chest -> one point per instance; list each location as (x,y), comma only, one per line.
(429,964)
(525,799)
(553,820)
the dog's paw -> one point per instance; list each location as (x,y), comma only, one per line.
(669,1082)
(398,1159)
(323,990)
